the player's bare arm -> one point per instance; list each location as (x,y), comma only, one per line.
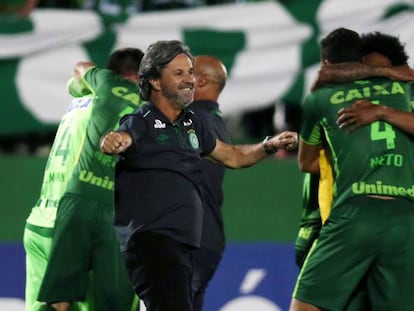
(345,72)
(363,112)
(308,157)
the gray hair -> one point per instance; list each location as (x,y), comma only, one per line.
(156,58)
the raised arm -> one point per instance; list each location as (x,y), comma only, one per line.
(80,68)
(76,86)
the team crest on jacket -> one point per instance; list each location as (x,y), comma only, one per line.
(193,140)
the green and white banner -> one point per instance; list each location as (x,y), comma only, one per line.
(270,48)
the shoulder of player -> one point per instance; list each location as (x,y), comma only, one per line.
(101,75)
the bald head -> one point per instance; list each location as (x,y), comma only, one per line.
(211,75)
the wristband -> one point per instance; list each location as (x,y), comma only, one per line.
(268,148)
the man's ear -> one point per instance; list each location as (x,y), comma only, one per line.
(155,84)
(202,80)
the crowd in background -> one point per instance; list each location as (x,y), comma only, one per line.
(245,127)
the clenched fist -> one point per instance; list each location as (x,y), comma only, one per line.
(115,142)
(285,140)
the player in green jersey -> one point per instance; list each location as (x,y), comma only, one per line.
(39,225)
(373,194)
(380,49)
(102,96)
(380,52)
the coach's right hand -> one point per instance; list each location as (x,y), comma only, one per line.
(115,142)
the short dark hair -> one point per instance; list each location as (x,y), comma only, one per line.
(125,60)
(385,44)
(156,58)
(341,46)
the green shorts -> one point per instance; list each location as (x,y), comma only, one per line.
(84,240)
(365,244)
(37,243)
(37,246)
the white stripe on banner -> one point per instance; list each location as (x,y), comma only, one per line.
(261,74)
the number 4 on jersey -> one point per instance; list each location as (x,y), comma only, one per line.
(386,133)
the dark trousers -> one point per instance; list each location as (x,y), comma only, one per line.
(205,263)
(160,270)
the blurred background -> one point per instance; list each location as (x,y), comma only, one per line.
(271,50)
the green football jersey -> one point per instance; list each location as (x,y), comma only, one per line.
(113,97)
(75,162)
(376,159)
(59,165)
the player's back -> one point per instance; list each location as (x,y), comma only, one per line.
(60,163)
(377,158)
(93,175)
